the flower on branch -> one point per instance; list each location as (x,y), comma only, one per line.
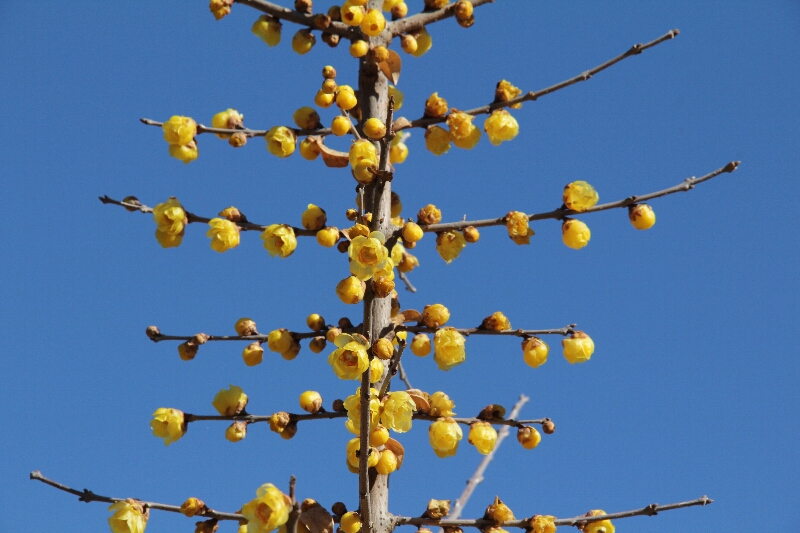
(580,196)
(350,359)
(129,517)
(353,406)
(268,511)
(368,255)
(575,233)
(448,348)
(230,402)
(600,526)
(444,435)
(397,410)
(578,347)
(483,436)
(224,234)
(168,424)
(280,240)
(500,126)
(268,29)
(449,244)
(535,351)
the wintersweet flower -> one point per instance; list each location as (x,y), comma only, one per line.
(441,404)
(601,526)
(352,15)
(517,226)
(435,106)
(449,244)
(463,132)
(543,524)
(362,149)
(500,126)
(437,140)
(328,236)
(279,340)
(236,431)
(424,42)
(421,345)
(359,48)
(398,408)
(185,153)
(436,315)
(395,92)
(368,255)
(398,153)
(168,241)
(387,462)
(303,41)
(580,196)
(253,354)
(268,511)
(350,359)
(279,239)
(505,91)
(168,424)
(309,149)
(578,347)
(351,522)
(230,402)
(376,368)
(170,217)
(575,233)
(352,405)
(192,506)
(229,119)
(383,349)
(448,348)
(373,23)
(179,130)
(314,218)
(306,118)
(409,44)
(497,321)
(351,290)
(641,216)
(311,401)
(483,436)
(346,98)
(220,8)
(128,517)
(430,214)
(444,435)
(245,327)
(498,511)
(535,351)
(268,30)
(281,141)
(528,437)
(224,234)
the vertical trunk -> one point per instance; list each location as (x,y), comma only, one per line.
(373,98)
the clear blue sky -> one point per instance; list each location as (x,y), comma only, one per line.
(693,386)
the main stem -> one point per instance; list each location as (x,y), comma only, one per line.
(373,97)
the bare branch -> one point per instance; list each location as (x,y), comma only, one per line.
(88,496)
(402,375)
(339,28)
(478,331)
(251,338)
(583,76)
(650,510)
(392,366)
(409,286)
(561,213)
(416,22)
(477,477)
(247,131)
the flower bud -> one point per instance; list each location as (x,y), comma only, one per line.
(311,401)
(346,98)
(236,431)
(328,236)
(352,15)
(498,511)
(317,344)
(303,41)
(506,91)
(497,321)
(268,29)
(306,118)
(641,216)
(323,99)
(350,522)
(303,6)
(398,153)
(575,234)
(600,526)
(281,141)
(580,196)
(338,406)
(436,315)
(528,437)
(334,13)
(230,402)
(441,404)
(322,22)
(535,351)
(315,322)
(329,86)
(359,48)
(152,332)
(228,119)
(207,526)
(421,345)
(544,524)
(292,351)
(279,421)
(332,333)
(548,426)
(220,8)
(351,290)
(424,42)
(412,232)
(253,354)
(399,10)
(379,436)
(500,126)
(517,226)
(279,340)
(313,218)
(387,463)
(380,53)
(193,506)
(578,347)
(407,263)
(383,349)
(435,106)
(187,350)
(338,508)
(429,215)
(471,234)
(463,10)
(185,153)
(374,128)
(238,139)
(373,23)
(437,509)
(382,286)
(483,436)
(408,43)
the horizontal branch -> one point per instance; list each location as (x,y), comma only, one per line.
(566,330)
(338,28)
(87,496)
(328,415)
(562,212)
(650,510)
(252,338)
(247,131)
(245,226)
(416,22)
(534,95)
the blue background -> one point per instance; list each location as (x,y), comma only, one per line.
(693,386)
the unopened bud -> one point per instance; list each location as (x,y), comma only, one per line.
(152,332)
(245,327)
(187,351)
(332,333)
(382,287)
(338,508)
(343,246)
(233,214)
(193,506)
(492,411)
(399,10)
(317,344)
(238,139)
(338,406)
(466,23)
(548,426)
(351,215)
(331,39)
(463,9)
(334,13)
(131,200)
(321,21)
(303,6)
(200,338)
(471,234)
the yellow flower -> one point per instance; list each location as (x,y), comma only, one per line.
(389,4)
(368,255)
(279,340)
(421,345)
(359,48)
(168,241)
(505,91)
(230,402)
(373,23)
(314,218)
(128,517)
(303,41)
(192,506)
(500,126)
(170,217)
(483,436)
(398,153)
(281,141)
(245,327)
(229,119)
(498,511)
(435,106)
(220,8)
(378,436)
(471,234)
(528,437)
(168,424)
(641,216)
(578,347)
(268,511)
(184,152)
(409,44)
(441,404)
(309,149)
(429,214)
(352,15)
(236,431)
(601,526)
(268,30)
(340,125)
(346,98)
(444,435)
(253,354)
(380,53)
(435,315)
(383,349)
(397,93)
(328,237)
(424,42)
(311,401)
(535,351)
(387,462)
(374,128)
(352,405)
(449,244)
(543,524)
(323,99)
(463,132)
(448,348)
(279,422)
(179,130)
(408,262)
(362,172)
(437,140)
(350,359)
(351,290)
(306,118)
(517,226)
(397,411)
(376,368)
(224,234)
(575,233)
(351,522)
(279,239)
(464,13)
(497,321)
(362,149)
(580,196)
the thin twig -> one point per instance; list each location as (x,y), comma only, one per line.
(409,286)
(650,510)
(403,376)
(477,477)
(561,213)
(478,331)
(339,28)
(392,366)
(534,95)
(416,22)
(88,496)
(247,131)
(251,338)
